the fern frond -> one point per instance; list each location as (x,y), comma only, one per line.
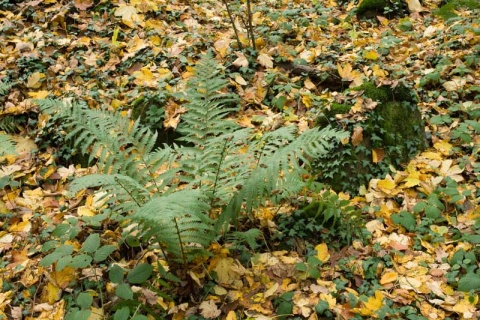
(7,145)
(179,221)
(280,161)
(207,105)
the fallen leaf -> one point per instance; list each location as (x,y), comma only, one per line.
(265,60)
(209,309)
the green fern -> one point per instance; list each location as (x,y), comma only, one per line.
(7,145)
(214,170)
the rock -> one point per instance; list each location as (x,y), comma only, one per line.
(389,135)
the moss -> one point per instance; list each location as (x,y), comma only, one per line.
(367,6)
(447,11)
(335,108)
(385,94)
(395,126)
(338,108)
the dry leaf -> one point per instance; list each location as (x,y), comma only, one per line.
(265,60)
(357,136)
(209,309)
(241,61)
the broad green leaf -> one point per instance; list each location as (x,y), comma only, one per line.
(122,314)
(50,259)
(84,300)
(140,317)
(124,291)
(63,262)
(471,281)
(92,243)
(116,274)
(81,261)
(140,274)
(103,252)
(82,315)
(405,219)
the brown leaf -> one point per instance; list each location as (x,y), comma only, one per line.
(83,4)
(357,136)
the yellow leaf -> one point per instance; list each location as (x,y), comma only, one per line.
(378,72)
(378,155)
(375,303)
(371,55)
(443,146)
(144,77)
(231,315)
(34,81)
(307,100)
(265,60)
(85,211)
(129,15)
(329,299)
(322,252)
(39,94)
(23,226)
(386,184)
(348,74)
(51,293)
(388,277)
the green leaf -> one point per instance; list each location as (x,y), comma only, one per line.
(63,262)
(84,300)
(92,243)
(139,317)
(321,307)
(82,315)
(124,291)
(471,281)
(122,314)
(116,274)
(104,252)
(140,274)
(50,259)
(405,219)
(81,261)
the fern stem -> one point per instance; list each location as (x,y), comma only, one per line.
(217,174)
(184,256)
(129,193)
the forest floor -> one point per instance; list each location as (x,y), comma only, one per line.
(418,258)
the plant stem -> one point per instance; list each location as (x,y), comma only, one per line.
(233,24)
(250,24)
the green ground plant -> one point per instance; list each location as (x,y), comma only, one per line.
(216,174)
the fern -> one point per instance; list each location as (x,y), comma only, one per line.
(7,145)
(220,169)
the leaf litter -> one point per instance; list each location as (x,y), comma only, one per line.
(422,220)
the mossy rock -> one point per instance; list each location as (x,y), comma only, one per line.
(394,128)
(371,8)
(447,11)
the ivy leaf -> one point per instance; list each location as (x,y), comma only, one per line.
(405,219)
